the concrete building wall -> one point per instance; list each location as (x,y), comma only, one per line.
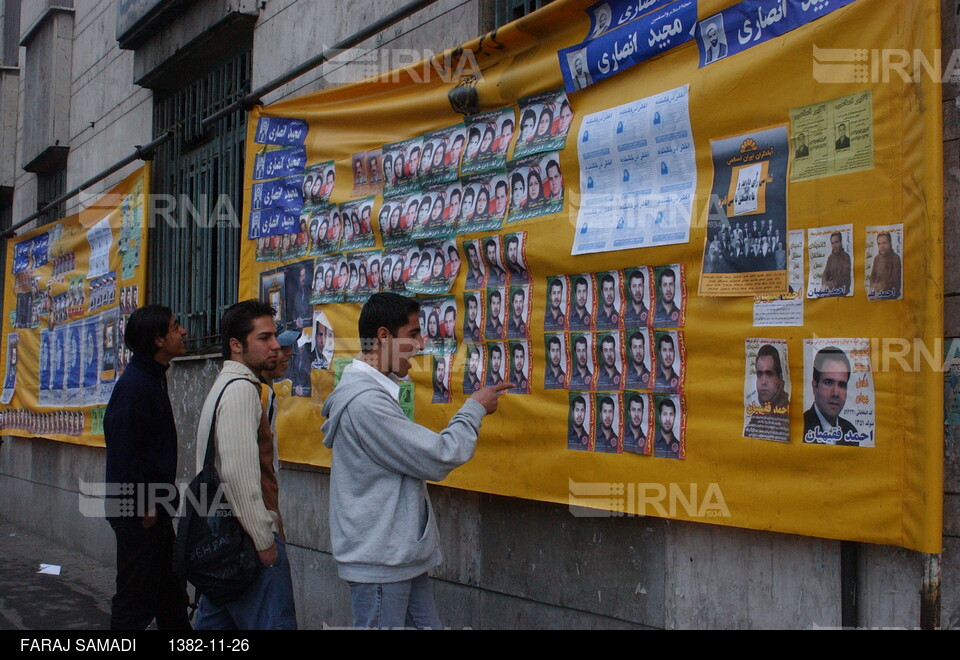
(509,563)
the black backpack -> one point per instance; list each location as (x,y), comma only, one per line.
(212,551)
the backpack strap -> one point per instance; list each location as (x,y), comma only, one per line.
(208,455)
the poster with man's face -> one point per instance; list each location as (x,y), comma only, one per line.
(557,370)
(520,366)
(580,421)
(581,302)
(669,360)
(637,421)
(608,432)
(474,370)
(518,322)
(555,316)
(609,300)
(838,397)
(582,374)
(670,426)
(609,373)
(766,390)
(474,318)
(496,363)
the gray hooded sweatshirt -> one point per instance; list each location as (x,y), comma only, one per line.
(382,525)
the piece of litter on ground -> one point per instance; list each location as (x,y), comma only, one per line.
(49,569)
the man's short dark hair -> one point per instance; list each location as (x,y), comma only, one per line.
(145,325)
(495,348)
(579,340)
(501,183)
(636,335)
(634,397)
(606,401)
(769,351)
(517,292)
(237,322)
(838,235)
(607,339)
(580,280)
(384,310)
(885,233)
(606,278)
(664,403)
(513,239)
(487,243)
(578,399)
(636,274)
(556,281)
(450,309)
(518,348)
(552,163)
(496,293)
(832,354)
(554,340)
(452,250)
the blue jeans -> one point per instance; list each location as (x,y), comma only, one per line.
(267,604)
(407,604)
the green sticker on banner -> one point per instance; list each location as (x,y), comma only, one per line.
(406,399)
(96,420)
(339,364)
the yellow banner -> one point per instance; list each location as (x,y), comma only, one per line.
(70,287)
(568,196)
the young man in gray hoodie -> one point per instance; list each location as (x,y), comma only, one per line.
(382,524)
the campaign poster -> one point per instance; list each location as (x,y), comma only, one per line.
(438,267)
(323,229)
(639,359)
(404,159)
(476,260)
(473,319)
(609,361)
(515,253)
(609,300)
(670,309)
(745,245)
(357,215)
(496,363)
(581,356)
(883,261)
(108,348)
(838,393)
(555,316)
(330,277)
(488,137)
(637,294)
(670,423)
(393,271)
(484,202)
(832,137)
(520,367)
(518,320)
(273,292)
(474,369)
(637,422)
(545,121)
(442,368)
(608,434)
(364,278)
(579,421)
(536,187)
(766,390)
(670,361)
(10,374)
(441,155)
(438,325)
(638,174)
(830,251)
(318,183)
(493,261)
(495,327)
(558,361)
(323,341)
(582,302)
(439,210)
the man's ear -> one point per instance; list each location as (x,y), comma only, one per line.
(383,335)
(236,346)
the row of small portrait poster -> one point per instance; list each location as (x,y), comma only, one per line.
(617,299)
(479,144)
(838,389)
(831,262)
(616,360)
(497,261)
(633,422)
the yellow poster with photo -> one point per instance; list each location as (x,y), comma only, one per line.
(70,287)
(666,115)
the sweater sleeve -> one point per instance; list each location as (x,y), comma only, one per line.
(238,419)
(397,444)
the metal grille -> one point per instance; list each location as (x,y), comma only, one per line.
(195,248)
(511,10)
(49,187)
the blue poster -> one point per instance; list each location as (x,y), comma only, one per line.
(753,22)
(74,355)
(39,249)
(284,193)
(21,256)
(45,344)
(273,222)
(610,14)
(617,50)
(91,353)
(282,162)
(57,359)
(281,130)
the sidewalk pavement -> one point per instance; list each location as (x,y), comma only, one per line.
(77,599)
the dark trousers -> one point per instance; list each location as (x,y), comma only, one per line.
(147,587)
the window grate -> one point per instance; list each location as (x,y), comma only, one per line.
(511,10)
(197,186)
(49,187)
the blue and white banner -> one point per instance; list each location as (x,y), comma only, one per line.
(281,130)
(273,222)
(610,14)
(284,193)
(617,50)
(753,22)
(40,245)
(282,162)
(21,256)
